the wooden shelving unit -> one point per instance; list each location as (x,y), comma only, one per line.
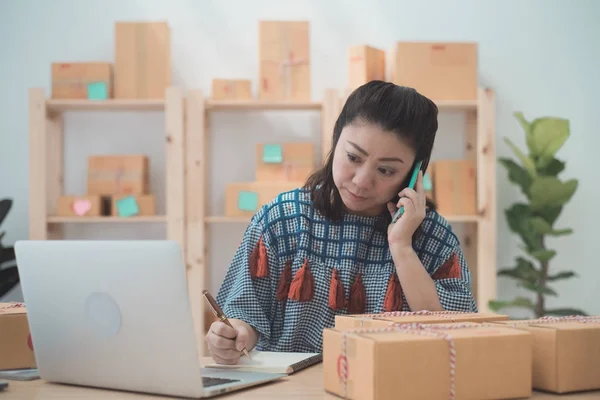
(46,161)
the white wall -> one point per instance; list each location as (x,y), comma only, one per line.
(540,56)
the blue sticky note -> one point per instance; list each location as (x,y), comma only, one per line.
(272,154)
(127,207)
(427,185)
(97,91)
(247,201)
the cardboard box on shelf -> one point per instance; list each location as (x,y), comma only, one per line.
(243,199)
(16,348)
(80,206)
(82,80)
(455,187)
(284,161)
(428,361)
(365,64)
(231,89)
(118,174)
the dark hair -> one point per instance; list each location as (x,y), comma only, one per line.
(398,109)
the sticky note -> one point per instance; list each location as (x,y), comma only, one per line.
(97,91)
(427,185)
(272,154)
(127,207)
(247,201)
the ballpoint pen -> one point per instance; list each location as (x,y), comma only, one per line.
(214,307)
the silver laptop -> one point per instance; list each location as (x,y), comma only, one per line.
(116,315)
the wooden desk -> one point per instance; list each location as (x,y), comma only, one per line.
(306,385)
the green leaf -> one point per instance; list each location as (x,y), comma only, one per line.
(549,134)
(560,232)
(538,288)
(517,174)
(519,221)
(548,191)
(540,225)
(527,129)
(561,275)
(526,161)
(524,271)
(553,168)
(550,214)
(563,312)
(521,302)
(543,255)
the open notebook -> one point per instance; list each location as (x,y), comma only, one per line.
(273,362)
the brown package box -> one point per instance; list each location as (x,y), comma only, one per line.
(80,206)
(566,354)
(365,64)
(70,80)
(231,89)
(118,174)
(142,60)
(382,320)
(489,363)
(455,187)
(144,203)
(438,70)
(243,199)
(284,162)
(284,57)
(16,348)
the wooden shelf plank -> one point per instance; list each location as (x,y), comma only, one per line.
(60,105)
(458,105)
(105,219)
(258,105)
(219,219)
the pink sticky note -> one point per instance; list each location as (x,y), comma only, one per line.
(81,206)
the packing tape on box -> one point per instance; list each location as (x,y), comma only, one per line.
(443,314)
(551,320)
(10,305)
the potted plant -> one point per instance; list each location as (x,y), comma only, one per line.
(9,275)
(545,195)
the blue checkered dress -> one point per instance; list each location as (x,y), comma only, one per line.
(293,231)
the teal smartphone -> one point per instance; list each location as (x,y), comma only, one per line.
(412,183)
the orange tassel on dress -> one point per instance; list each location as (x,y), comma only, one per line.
(393,295)
(259,262)
(358,296)
(337,297)
(303,285)
(283,288)
(450,269)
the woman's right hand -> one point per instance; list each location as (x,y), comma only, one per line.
(225,343)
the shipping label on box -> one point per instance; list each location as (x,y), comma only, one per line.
(284,161)
(428,361)
(438,70)
(243,199)
(142,60)
(382,320)
(80,206)
(82,80)
(133,205)
(455,187)
(16,347)
(118,174)
(284,57)
(231,89)
(566,352)
(365,64)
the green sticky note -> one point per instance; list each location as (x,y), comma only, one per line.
(248,201)
(272,153)
(97,91)
(427,185)
(127,207)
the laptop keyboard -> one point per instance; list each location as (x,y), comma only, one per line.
(209,381)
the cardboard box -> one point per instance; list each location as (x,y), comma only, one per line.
(243,199)
(16,348)
(487,363)
(284,161)
(566,353)
(284,61)
(365,64)
(142,60)
(118,174)
(231,89)
(133,205)
(455,187)
(72,80)
(438,70)
(383,320)
(80,206)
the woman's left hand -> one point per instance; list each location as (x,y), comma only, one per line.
(400,233)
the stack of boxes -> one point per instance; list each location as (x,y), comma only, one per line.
(279,167)
(16,347)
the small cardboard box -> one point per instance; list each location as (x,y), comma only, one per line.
(243,199)
(79,80)
(383,320)
(284,61)
(365,64)
(284,161)
(133,205)
(566,353)
(438,70)
(142,60)
(118,174)
(16,348)
(455,187)
(231,89)
(80,206)
(474,361)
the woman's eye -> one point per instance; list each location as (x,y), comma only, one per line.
(352,158)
